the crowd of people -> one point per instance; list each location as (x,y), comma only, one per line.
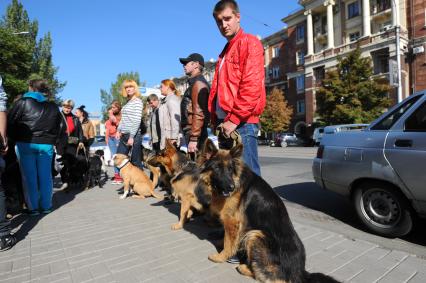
(231,105)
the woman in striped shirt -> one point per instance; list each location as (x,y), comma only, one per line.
(128,130)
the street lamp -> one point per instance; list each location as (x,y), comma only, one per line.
(397,38)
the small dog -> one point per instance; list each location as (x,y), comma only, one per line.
(255,221)
(135,178)
(95,170)
(184,175)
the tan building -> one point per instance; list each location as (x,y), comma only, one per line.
(322,30)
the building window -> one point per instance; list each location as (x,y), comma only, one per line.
(275,51)
(300,106)
(300,58)
(353,10)
(319,74)
(300,33)
(300,83)
(275,72)
(354,36)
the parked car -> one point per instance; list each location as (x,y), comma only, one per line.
(284,140)
(317,136)
(100,143)
(382,168)
(344,128)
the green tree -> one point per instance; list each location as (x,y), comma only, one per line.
(115,91)
(349,94)
(277,114)
(22,57)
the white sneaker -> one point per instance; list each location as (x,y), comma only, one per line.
(64,186)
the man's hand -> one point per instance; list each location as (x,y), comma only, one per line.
(228,127)
(130,142)
(192,146)
(117,135)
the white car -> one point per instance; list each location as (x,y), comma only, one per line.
(100,143)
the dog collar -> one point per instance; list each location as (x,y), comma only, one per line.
(124,163)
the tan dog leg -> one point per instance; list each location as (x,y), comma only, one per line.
(230,242)
(126,189)
(185,206)
(245,270)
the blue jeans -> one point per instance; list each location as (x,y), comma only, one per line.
(113,145)
(136,156)
(248,134)
(35,161)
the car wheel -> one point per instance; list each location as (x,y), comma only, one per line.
(284,144)
(382,209)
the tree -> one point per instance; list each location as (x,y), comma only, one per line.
(277,114)
(349,94)
(115,91)
(22,57)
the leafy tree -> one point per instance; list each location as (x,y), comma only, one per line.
(349,94)
(22,57)
(277,114)
(115,91)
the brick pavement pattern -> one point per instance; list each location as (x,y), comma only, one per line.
(92,236)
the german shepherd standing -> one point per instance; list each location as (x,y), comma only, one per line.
(184,175)
(255,221)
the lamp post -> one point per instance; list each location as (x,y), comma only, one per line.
(397,43)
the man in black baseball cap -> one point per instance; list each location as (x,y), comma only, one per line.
(194,57)
(194,112)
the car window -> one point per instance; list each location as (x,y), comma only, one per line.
(387,122)
(417,121)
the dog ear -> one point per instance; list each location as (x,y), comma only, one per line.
(236,151)
(209,150)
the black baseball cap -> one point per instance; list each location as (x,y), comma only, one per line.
(193,57)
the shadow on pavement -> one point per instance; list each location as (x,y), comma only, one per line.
(310,195)
(26,222)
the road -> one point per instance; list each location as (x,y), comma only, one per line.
(288,171)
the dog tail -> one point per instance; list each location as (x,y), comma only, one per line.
(319,278)
(156,174)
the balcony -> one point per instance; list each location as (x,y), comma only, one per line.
(381,11)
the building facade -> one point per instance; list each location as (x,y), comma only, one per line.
(322,30)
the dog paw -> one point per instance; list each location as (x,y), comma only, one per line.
(123,197)
(177,226)
(218,258)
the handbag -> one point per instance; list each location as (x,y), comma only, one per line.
(73,140)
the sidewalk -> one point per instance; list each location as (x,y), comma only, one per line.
(93,236)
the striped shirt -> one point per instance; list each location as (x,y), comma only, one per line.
(131,115)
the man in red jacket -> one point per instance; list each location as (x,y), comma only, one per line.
(237,97)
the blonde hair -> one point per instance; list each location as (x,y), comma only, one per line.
(171,85)
(130,83)
(68,102)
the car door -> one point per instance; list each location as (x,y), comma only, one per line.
(405,150)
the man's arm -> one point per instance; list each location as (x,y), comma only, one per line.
(3,117)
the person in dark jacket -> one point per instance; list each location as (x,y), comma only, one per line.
(73,137)
(35,124)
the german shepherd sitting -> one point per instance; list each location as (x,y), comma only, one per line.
(184,175)
(255,220)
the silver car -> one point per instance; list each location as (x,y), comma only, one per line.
(381,168)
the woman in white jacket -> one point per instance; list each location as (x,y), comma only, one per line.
(169,113)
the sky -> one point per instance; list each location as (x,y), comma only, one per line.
(95,40)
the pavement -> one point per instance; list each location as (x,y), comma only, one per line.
(93,236)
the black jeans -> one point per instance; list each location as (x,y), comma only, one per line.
(4,222)
(136,156)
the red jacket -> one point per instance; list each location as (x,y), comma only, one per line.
(241,80)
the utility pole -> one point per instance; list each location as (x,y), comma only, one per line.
(398,48)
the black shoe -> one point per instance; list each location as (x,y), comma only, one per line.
(7,242)
(233,260)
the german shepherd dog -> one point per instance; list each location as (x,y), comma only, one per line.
(255,220)
(184,175)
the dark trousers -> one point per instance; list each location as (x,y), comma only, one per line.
(4,222)
(136,155)
(72,150)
